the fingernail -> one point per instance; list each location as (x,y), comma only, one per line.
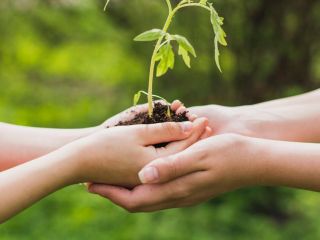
(148,175)
(187,126)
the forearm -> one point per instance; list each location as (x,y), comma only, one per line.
(24,185)
(294,118)
(307,98)
(21,144)
(291,119)
(298,123)
(277,163)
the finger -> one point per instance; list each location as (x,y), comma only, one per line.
(146,198)
(158,207)
(191,116)
(172,167)
(177,193)
(199,126)
(175,105)
(181,203)
(207,133)
(117,195)
(181,110)
(151,134)
(139,198)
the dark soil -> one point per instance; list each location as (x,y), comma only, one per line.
(159,116)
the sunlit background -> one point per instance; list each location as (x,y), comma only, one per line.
(66,63)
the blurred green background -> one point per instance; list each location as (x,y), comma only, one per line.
(66,63)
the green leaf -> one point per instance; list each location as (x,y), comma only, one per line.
(160,54)
(217,53)
(166,57)
(136,98)
(151,35)
(184,43)
(185,56)
(220,35)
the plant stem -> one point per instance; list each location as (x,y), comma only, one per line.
(165,28)
(190,5)
(169,5)
(153,62)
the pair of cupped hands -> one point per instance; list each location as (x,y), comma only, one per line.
(122,164)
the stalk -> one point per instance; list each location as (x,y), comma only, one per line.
(153,62)
(165,28)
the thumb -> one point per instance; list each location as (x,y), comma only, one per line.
(151,134)
(169,168)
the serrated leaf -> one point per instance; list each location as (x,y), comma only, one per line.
(185,56)
(222,38)
(220,35)
(150,35)
(166,60)
(214,20)
(184,43)
(160,53)
(136,98)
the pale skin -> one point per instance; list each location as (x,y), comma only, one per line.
(289,119)
(113,156)
(235,157)
(20,144)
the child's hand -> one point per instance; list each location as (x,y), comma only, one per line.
(115,155)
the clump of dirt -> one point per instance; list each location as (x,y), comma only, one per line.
(159,116)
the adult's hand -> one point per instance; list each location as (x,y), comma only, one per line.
(208,168)
(217,165)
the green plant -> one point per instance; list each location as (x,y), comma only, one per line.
(163,52)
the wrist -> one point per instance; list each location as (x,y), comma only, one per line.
(71,164)
(264,160)
(246,165)
(290,164)
(83,156)
(259,123)
(251,161)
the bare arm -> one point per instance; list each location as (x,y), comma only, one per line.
(291,119)
(217,165)
(288,164)
(306,98)
(25,184)
(21,144)
(112,156)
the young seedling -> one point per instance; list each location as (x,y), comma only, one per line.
(163,56)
